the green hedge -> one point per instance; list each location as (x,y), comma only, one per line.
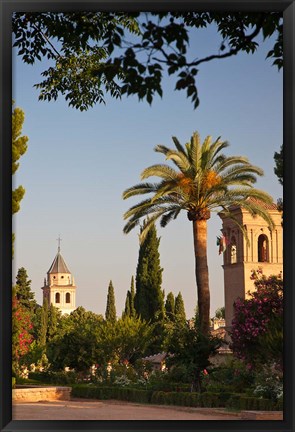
(205,400)
(170,387)
(104,393)
(241,402)
(176,398)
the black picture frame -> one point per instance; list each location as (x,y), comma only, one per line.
(7,8)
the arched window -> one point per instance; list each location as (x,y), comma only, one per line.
(57,298)
(263,255)
(68,298)
(233,251)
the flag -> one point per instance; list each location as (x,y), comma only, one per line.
(222,242)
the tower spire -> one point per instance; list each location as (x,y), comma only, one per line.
(59,240)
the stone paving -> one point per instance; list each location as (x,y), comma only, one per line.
(81,409)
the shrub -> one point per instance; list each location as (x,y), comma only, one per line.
(176,398)
(234,402)
(210,400)
(58,378)
(158,397)
(104,393)
(232,377)
(257,326)
(122,381)
(269,384)
(241,402)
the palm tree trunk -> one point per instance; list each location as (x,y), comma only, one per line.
(202,274)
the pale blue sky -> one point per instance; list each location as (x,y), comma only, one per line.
(78,164)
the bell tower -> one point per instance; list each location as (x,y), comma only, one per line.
(265,251)
(59,286)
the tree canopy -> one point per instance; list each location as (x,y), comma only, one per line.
(19,147)
(93,54)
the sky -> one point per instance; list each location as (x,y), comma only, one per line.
(78,164)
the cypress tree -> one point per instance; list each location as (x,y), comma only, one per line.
(52,322)
(149,297)
(129,302)
(131,298)
(179,308)
(170,306)
(23,291)
(127,306)
(42,333)
(110,314)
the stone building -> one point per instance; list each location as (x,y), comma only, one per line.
(265,251)
(59,286)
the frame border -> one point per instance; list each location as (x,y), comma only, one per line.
(6,9)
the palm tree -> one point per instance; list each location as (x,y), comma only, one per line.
(205,180)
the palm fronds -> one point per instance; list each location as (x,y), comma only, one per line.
(204,179)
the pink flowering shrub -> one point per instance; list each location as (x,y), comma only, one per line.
(257,327)
(21,337)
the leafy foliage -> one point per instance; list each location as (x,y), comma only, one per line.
(99,53)
(86,339)
(220,312)
(19,147)
(42,330)
(23,291)
(269,384)
(75,343)
(132,336)
(21,332)
(257,326)
(279,162)
(191,350)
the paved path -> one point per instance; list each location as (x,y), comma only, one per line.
(81,409)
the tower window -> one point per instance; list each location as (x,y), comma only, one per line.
(68,298)
(233,251)
(263,254)
(57,298)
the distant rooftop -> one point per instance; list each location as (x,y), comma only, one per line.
(266,206)
(271,206)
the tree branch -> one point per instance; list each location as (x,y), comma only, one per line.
(230,53)
(47,40)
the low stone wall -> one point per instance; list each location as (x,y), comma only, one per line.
(37,394)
